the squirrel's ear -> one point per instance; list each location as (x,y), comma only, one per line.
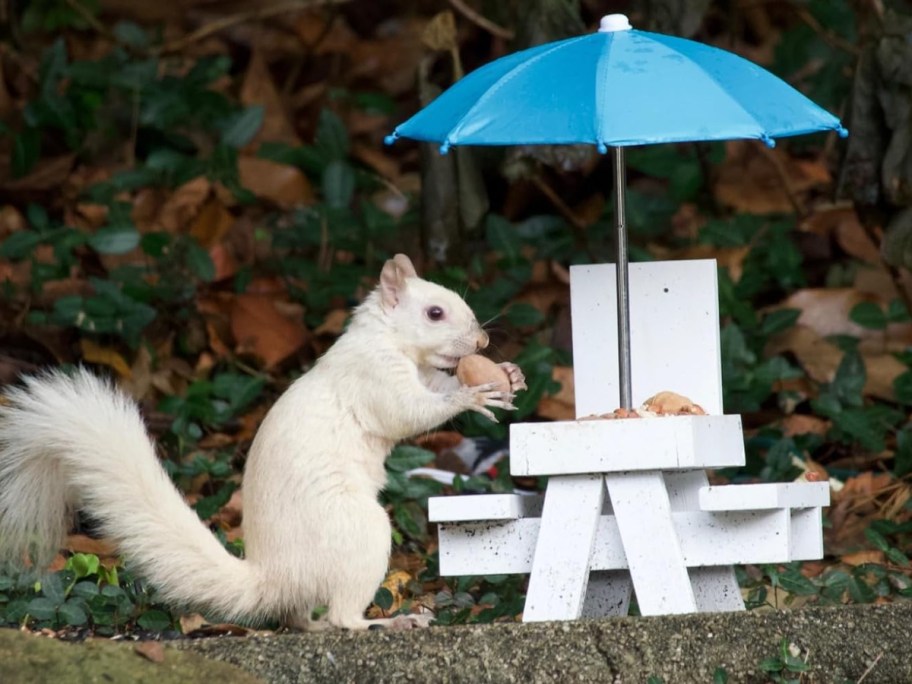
(405,265)
(392,279)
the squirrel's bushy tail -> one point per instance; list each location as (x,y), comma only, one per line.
(74,440)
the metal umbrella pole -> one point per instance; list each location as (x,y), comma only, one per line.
(623,294)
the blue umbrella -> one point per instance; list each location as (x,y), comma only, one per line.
(614,88)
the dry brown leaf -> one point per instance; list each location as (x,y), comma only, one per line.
(191,623)
(391,61)
(211,223)
(862,557)
(372,156)
(11,220)
(95,353)
(590,210)
(258,88)
(841,221)
(800,424)
(311,28)
(92,215)
(80,543)
(140,380)
(260,329)
(561,406)
(826,311)
(183,204)
(749,181)
(396,583)
(730,258)
(334,323)
(440,32)
(47,174)
(282,184)
(864,485)
(151,650)
(820,359)
(224,262)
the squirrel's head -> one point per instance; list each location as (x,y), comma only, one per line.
(433,323)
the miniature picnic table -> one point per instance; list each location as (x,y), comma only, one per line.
(628,505)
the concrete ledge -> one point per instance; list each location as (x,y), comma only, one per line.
(844,644)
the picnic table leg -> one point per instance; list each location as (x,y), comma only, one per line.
(657,568)
(560,567)
(715,588)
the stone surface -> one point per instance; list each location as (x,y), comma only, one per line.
(840,644)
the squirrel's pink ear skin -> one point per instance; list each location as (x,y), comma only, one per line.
(405,266)
(392,279)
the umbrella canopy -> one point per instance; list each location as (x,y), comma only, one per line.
(616,87)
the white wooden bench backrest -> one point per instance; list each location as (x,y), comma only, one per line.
(674,322)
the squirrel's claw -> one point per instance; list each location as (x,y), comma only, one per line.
(516,376)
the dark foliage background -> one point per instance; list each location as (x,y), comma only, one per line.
(193,194)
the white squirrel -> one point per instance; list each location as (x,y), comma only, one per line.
(314,531)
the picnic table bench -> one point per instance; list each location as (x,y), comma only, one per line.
(628,505)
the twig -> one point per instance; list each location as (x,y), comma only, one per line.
(870,667)
(828,36)
(784,180)
(559,204)
(482,21)
(90,19)
(242,17)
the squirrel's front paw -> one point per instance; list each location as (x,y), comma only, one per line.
(515,374)
(479,397)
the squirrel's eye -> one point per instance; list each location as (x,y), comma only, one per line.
(435,313)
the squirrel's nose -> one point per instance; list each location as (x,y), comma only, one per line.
(482,340)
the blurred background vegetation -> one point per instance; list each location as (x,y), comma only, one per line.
(194,193)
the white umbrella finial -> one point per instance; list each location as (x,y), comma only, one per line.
(614,22)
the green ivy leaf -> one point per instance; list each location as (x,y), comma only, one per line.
(83,564)
(863,426)
(868,315)
(383,599)
(503,238)
(42,608)
(85,590)
(115,239)
(241,128)
(154,620)
(19,245)
(902,459)
(795,583)
(407,457)
(524,315)
(131,34)
(850,378)
(410,519)
(331,139)
(52,588)
(71,613)
(772,664)
(199,262)
(779,320)
(26,150)
(338,184)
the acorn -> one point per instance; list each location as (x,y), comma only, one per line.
(475,369)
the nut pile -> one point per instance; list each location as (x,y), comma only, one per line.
(662,404)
